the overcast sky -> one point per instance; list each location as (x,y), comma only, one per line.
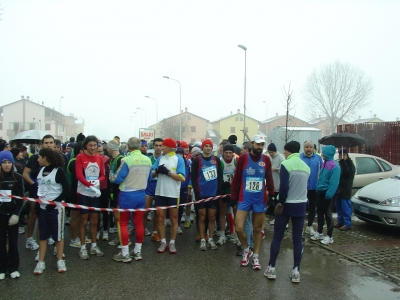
(103,57)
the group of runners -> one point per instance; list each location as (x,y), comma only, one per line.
(98,174)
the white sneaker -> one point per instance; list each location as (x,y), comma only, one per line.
(310,230)
(61,266)
(221,240)
(113,230)
(55,252)
(75,243)
(167,222)
(327,240)
(50,241)
(98,235)
(41,265)
(105,235)
(31,244)
(270,273)
(150,216)
(146,232)
(2,276)
(87,240)
(15,274)
(180,230)
(272,222)
(317,236)
(37,256)
(21,229)
(68,221)
(83,254)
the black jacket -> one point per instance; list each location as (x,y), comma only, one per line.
(15,183)
(346,178)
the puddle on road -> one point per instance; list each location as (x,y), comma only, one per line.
(368,288)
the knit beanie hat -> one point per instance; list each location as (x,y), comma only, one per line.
(206,142)
(292,147)
(180,151)
(232,139)
(271,147)
(228,147)
(80,137)
(113,145)
(196,151)
(6,155)
(15,152)
(3,145)
(168,142)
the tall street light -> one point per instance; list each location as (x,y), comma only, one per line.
(180,106)
(145,115)
(156,110)
(244,105)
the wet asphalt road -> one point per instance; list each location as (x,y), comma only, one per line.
(193,274)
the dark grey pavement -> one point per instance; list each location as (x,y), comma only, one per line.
(192,274)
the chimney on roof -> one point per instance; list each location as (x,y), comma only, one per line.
(276,114)
(231,112)
(22,97)
(238,111)
(185,109)
(27,98)
(42,103)
(374,115)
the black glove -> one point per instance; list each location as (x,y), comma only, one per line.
(162,170)
(226,185)
(233,202)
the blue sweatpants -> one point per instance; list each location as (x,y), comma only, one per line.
(344,211)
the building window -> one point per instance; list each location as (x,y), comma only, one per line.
(233,129)
(47,112)
(238,119)
(192,128)
(31,126)
(47,126)
(186,117)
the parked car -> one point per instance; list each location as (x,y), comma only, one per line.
(379,202)
(370,168)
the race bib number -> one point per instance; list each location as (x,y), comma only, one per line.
(254,184)
(210,173)
(5,198)
(228,177)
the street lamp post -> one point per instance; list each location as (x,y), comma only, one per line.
(156,110)
(180,106)
(145,117)
(244,104)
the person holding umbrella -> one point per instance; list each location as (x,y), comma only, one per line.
(343,203)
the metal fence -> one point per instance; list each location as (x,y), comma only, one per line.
(382,139)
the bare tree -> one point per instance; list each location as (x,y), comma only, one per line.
(337,91)
(290,111)
(170,128)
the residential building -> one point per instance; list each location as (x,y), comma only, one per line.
(280,120)
(194,127)
(25,114)
(324,123)
(233,124)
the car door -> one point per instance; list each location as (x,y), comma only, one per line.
(368,170)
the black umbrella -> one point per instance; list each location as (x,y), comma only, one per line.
(344,139)
(30,136)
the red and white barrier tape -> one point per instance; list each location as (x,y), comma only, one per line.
(65,204)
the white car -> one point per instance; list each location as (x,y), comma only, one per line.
(370,168)
(379,202)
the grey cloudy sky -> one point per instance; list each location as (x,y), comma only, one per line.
(103,57)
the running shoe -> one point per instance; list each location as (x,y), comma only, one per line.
(98,235)
(262,234)
(327,240)
(15,274)
(150,216)
(31,244)
(114,242)
(83,254)
(256,263)
(183,219)
(41,265)
(155,237)
(21,229)
(87,240)
(163,247)
(203,245)
(221,240)
(172,248)
(167,222)
(146,232)
(187,224)
(317,236)
(211,244)
(2,276)
(67,220)
(61,266)
(50,241)
(37,256)
(270,273)
(96,251)
(137,255)
(245,258)
(310,230)
(113,230)
(272,222)
(180,230)
(75,243)
(105,235)
(55,252)
(119,257)
(295,277)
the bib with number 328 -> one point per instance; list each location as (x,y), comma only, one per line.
(210,173)
(254,184)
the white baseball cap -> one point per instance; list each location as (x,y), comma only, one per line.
(258,139)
